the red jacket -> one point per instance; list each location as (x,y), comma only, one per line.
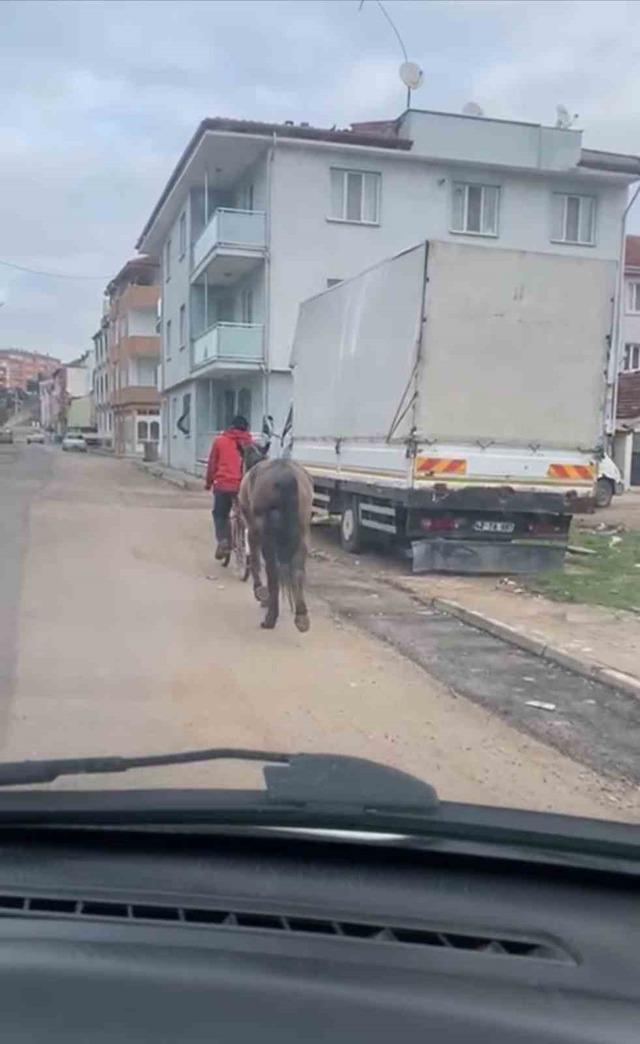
(224,469)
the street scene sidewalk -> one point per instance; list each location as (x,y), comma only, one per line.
(172,659)
(591,636)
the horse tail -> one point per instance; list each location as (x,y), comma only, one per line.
(284,522)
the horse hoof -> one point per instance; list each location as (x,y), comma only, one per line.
(303,623)
(268,624)
(261,594)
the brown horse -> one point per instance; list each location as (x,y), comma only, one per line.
(275,498)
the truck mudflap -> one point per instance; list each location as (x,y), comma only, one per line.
(468,556)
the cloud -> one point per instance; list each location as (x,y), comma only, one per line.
(97,101)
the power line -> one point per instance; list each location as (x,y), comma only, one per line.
(51,275)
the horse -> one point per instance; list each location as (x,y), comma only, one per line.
(275,499)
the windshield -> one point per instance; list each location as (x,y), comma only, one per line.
(341,304)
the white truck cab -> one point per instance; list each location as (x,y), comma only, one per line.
(609,482)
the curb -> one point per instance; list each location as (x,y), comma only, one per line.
(158,471)
(538,647)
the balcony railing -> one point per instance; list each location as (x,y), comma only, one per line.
(231,229)
(229,342)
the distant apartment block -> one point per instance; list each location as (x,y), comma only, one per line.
(257,217)
(127,354)
(23,370)
(65,396)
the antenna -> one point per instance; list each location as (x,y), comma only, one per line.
(411,74)
(472,109)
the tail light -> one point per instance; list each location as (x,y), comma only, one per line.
(440,523)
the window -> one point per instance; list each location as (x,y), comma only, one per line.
(633,300)
(183,235)
(475,209)
(182,326)
(355,196)
(244,403)
(167,260)
(174,414)
(573,219)
(246,306)
(143,431)
(630,358)
(154,431)
(167,339)
(184,420)
(246,198)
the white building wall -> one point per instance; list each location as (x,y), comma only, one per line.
(141,322)
(307,248)
(175,292)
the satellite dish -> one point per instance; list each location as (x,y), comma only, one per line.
(472,109)
(411,75)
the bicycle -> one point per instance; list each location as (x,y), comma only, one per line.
(239,544)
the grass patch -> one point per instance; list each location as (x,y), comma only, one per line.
(611,577)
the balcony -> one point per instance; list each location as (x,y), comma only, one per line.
(231,244)
(229,346)
(135,395)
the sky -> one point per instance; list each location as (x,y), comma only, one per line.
(98,100)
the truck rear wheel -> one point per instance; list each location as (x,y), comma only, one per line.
(350,529)
(604,492)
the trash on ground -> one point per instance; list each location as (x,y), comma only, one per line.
(540,705)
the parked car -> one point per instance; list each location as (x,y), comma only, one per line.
(6,435)
(35,436)
(609,482)
(74,441)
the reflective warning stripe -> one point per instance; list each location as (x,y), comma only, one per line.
(581,472)
(440,466)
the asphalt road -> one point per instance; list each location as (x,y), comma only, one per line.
(115,641)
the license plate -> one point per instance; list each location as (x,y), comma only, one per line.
(486,526)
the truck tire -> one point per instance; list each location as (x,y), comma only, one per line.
(350,528)
(604,492)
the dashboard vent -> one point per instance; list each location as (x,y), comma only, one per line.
(99,909)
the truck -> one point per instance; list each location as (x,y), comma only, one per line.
(451,399)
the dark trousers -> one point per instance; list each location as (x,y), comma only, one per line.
(222,503)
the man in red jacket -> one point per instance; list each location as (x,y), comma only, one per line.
(224,474)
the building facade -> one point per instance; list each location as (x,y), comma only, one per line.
(127,352)
(23,370)
(257,217)
(627,441)
(65,396)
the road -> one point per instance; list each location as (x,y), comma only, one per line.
(120,635)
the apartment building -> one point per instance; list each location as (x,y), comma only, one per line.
(127,347)
(257,217)
(23,370)
(628,411)
(65,396)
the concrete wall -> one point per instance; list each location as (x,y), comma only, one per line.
(471,140)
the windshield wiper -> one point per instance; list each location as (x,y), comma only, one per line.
(291,779)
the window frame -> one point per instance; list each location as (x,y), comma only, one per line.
(343,219)
(182,235)
(167,260)
(633,290)
(633,349)
(482,185)
(182,327)
(580,196)
(167,339)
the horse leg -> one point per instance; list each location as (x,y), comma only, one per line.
(301,617)
(273,604)
(255,554)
